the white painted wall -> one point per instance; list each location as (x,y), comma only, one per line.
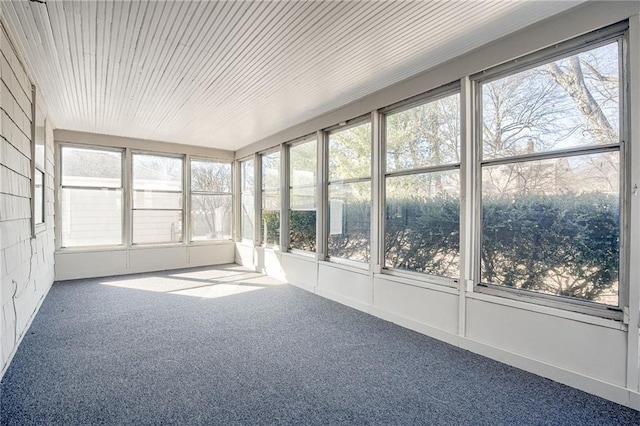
(591,353)
(76,264)
(27,262)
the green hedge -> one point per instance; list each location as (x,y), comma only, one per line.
(564,245)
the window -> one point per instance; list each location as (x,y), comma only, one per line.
(270,224)
(39,169)
(422,187)
(349,193)
(90,197)
(157,199)
(302,195)
(210,200)
(247,199)
(551,176)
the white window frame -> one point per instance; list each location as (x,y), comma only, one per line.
(326,183)
(614,33)
(310,139)
(60,187)
(191,193)
(241,192)
(416,101)
(262,190)
(183,209)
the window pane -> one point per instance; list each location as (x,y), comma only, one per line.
(210,176)
(91,167)
(40,139)
(571,102)
(247,178)
(303,166)
(422,223)
(427,135)
(552,226)
(302,219)
(303,198)
(270,227)
(350,153)
(90,217)
(271,171)
(350,221)
(157,200)
(155,172)
(211,217)
(157,226)
(39,198)
(271,200)
(247,216)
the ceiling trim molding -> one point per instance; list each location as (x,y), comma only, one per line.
(97,139)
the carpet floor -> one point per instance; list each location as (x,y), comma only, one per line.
(224,346)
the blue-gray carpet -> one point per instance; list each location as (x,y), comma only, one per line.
(172,348)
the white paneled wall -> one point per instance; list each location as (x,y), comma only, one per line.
(27,262)
(589,352)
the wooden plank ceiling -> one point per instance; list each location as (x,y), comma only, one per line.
(225,74)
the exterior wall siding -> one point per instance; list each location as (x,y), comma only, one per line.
(27,262)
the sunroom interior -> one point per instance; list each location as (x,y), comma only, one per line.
(478,185)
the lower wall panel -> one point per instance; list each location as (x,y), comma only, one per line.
(300,271)
(89,264)
(433,308)
(579,353)
(245,255)
(344,285)
(588,349)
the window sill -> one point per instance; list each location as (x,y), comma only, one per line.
(430,282)
(91,249)
(198,243)
(309,256)
(600,316)
(141,246)
(346,265)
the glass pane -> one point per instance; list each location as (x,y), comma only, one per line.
(271,200)
(211,217)
(40,139)
(91,167)
(247,178)
(553,226)
(303,159)
(422,223)
(210,176)
(270,224)
(90,217)
(157,226)
(303,198)
(350,221)
(156,172)
(302,218)
(302,224)
(247,217)
(271,171)
(270,227)
(350,153)
(39,198)
(157,200)
(571,102)
(426,135)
